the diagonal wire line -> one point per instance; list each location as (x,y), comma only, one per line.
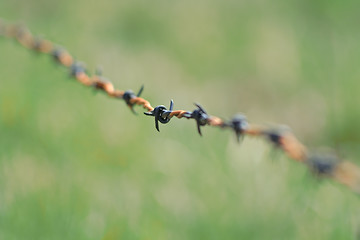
(323,165)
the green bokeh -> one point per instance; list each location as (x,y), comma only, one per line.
(77,165)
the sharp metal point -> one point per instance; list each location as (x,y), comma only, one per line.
(198,128)
(132,109)
(140,91)
(200,107)
(171,105)
(238,135)
(157,122)
(149,113)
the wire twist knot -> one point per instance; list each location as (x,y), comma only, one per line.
(128,95)
(239,124)
(161,114)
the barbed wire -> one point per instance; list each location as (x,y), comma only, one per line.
(323,165)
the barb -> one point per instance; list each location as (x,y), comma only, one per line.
(161,114)
(239,124)
(129,95)
(324,165)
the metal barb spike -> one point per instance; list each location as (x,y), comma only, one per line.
(275,135)
(140,91)
(200,107)
(128,95)
(171,105)
(200,116)
(238,124)
(132,109)
(323,164)
(198,128)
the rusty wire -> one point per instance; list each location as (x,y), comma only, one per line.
(324,165)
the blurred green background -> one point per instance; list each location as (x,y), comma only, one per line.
(78,165)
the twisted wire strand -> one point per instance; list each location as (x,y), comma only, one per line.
(324,165)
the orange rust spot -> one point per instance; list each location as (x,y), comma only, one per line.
(178,113)
(215,121)
(84,79)
(108,87)
(26,39)
(45,46)
(117,94)
(181,114)
(254,130)
(66,59)
(142,102)
(293,148)
(348,174)
(103,84)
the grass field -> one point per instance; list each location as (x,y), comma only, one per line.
(75,164)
